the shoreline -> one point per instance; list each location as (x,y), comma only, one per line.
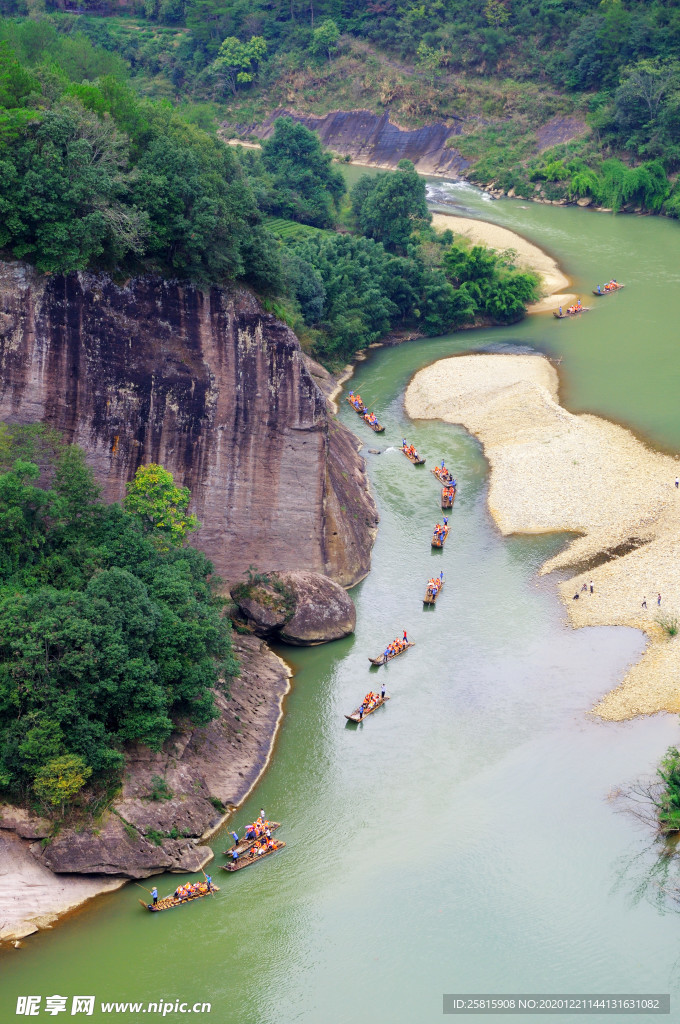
(33,898)
(583,475)
(529,256)
(484,232)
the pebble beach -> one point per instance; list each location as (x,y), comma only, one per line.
(553,471)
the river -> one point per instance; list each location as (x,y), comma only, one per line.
(465,838)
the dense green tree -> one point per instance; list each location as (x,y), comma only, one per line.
(161,508)
(390,207)
(60,193)
(104,638)
(325,39)
(304,184)
(236,62)
(60,779)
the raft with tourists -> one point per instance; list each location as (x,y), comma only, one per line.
(442,474)
(440,534)
(370,418)
(392,650)
(411,454)
(607,289)
(448,497)
(243,845)
(575,310)
(363,710)
(183,894)
(434,589)
(254,855)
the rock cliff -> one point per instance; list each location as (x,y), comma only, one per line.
(210,386)
(374,139)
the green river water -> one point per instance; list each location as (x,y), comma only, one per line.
(462,839)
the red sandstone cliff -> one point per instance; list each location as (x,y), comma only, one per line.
(208,385)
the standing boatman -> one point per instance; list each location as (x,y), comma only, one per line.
(154,895)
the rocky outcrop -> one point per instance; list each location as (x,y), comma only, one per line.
(203,772)
(374,139)
(172,798)
(301,608)
(209,385)
(112,848)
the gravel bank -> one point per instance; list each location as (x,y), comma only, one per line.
(552,471)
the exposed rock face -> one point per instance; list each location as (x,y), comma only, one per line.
(206,384)
(23,822)
(301,608)
(220,761)
(373,139)
(113,850)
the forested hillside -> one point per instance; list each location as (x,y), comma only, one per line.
(94,176)
(549,92)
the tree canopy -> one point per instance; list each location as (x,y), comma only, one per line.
(105,637)
(304,184)
(389,207)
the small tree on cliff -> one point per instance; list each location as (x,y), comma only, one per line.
(61,779)
(160,506)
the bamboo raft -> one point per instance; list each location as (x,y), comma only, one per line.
(446,501)
(381,660)
(416,460)
(566,314)
(608,291)
(444,478)
(355,716)
(244,844)
(254,858)
(430,598)
(377,427)
(168,902)
(438,542)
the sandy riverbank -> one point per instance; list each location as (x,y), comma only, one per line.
(551,471)
(529,256)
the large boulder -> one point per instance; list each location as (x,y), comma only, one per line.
(118,848)
(301,608)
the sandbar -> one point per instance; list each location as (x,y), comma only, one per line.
(553,471)
(529,256)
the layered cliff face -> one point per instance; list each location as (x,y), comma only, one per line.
(206,384)
(374,139)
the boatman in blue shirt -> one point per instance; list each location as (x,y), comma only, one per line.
(234,836)
(446,521)
(234,856)
(154,895)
